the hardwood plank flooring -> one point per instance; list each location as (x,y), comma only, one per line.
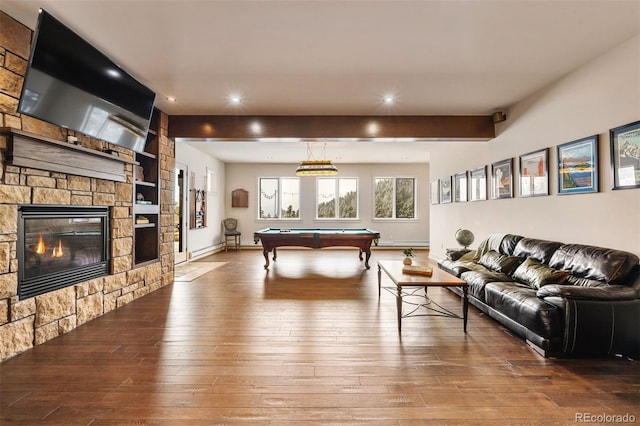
(306,342)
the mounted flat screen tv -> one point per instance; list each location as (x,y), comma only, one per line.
(72,84)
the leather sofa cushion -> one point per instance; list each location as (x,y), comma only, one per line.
(607,293)
(541,250)
(447,266)
(477,280)
(499,262)
(535,274)
(473,266)
(508,244)
(451,267)
(459,267)
(520,303)
(594,263)
(585,282)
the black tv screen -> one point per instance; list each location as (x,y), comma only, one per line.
(72,84)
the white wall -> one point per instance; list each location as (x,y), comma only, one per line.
(203,240)
(603,94)
(407,232)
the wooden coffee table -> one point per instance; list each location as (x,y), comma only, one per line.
(408,285)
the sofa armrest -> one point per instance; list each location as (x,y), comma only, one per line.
(455,254)
(606,293)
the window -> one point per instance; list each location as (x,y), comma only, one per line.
(394,198)
(279,198)
(344,190)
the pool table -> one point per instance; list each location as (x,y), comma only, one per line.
(272,238)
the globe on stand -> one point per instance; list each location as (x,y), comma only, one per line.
(464,237)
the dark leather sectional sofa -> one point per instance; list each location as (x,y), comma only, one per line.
(564,299)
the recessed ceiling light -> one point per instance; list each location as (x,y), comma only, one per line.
(235,99)
(171,99)
(388,99)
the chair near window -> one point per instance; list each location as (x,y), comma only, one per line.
(231,233)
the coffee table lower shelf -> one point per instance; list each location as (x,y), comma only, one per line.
(410,286)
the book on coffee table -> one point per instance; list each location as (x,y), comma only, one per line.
(417,270)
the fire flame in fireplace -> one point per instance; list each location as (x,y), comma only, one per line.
(57,251)
(40,247)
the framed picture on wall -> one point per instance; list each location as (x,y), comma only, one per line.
(445,190)
(625,156)
(460,187)
(502,179)
(578,166)
(534,173)
(435,192)
(478,184)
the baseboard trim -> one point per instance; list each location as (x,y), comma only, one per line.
(206,251)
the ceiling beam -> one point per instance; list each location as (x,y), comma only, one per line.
(248,127)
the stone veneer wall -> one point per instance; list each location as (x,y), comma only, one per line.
(30,322)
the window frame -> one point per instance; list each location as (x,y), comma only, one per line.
(394,200)
(336,188)
(278,195)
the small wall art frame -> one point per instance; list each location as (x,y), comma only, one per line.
(534,173)
(478,184)
(502,179)
(435,192)
(445,190)
(460,187)
(578,166)
(625,156)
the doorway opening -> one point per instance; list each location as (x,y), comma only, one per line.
(179,222)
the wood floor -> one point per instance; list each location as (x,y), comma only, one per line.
(307,342)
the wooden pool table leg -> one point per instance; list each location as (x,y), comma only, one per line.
(366,261)
(265,252)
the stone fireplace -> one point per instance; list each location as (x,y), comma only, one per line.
(59,246)
(31,187)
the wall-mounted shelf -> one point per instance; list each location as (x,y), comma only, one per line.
(29,150)
(145,225)
(148,154)
(146,209)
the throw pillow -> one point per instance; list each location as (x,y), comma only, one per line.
(536,274)
(499,262)
(490,259)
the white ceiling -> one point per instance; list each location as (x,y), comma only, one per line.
(340,57)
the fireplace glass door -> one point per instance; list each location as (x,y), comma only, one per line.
(60,246)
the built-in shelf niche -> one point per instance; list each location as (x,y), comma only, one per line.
(146,197)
